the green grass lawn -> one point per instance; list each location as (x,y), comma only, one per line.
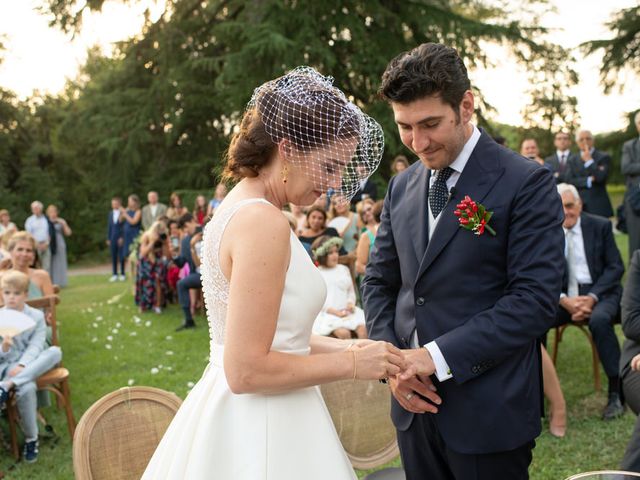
(108,345)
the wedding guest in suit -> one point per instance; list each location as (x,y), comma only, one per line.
(399,164)
(6,225)
(115,239)
(153,211)
(589,173)
(630,359)
(132,216)
(631,172)
(176,208)
(467,304)
(559,161)
(529,149)
(59,258)
(200,209)
(591,290)
(38,226)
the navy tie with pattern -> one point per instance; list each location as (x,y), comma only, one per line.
(439,193)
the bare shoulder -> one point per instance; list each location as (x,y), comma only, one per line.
(259,220)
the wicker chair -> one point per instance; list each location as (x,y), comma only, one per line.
(118,434)
(360,413)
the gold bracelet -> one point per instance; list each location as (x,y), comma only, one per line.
(355,364)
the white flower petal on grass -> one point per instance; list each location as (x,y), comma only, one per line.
(131,382)
(118,325)
(133,334)
(169,368)
(137,319)
(95,325)
(168,337)
(147,323)
(110,338)
(190,384)
(94,339)
(115,330)
(107,346)
(99,318)
(154,371)
(160,366)
(169,352)
(89,309)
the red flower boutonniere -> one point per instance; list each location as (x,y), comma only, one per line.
(473,216)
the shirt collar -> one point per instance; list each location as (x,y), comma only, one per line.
(463,157)
(576,228)
(560,153)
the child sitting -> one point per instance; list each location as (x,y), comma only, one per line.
(23,358)
(339,316)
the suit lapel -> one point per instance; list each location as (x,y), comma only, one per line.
(478,177)
(417,194)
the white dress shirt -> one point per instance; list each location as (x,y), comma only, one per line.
(38,227)
(443,372)
(579,256)
(115,215)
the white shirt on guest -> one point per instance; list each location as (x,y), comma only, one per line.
(115,215)
(38,227)
(579,256)
(154,209)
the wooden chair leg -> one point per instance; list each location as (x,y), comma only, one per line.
(12,417)
(71,421)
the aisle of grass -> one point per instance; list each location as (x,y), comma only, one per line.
(108,345)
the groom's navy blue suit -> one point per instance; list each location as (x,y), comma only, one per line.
(483,299)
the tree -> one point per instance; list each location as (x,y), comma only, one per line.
(620,52)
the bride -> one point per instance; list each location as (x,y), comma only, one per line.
(256,413)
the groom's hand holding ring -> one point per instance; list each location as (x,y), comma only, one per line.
(412,394)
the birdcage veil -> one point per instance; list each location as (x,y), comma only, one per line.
(340,145)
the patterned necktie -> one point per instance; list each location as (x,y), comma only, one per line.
(572,290)
(438,192)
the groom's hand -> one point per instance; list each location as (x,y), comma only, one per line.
(419,362)
(409,394)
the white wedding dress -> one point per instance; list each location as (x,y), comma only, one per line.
(219,435)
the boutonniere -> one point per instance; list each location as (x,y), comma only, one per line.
(474,216)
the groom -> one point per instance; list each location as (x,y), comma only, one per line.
(468,307)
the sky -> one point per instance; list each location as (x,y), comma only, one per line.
(42,58)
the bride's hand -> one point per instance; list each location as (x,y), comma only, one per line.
(377,360)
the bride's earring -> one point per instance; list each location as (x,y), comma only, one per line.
(284,173)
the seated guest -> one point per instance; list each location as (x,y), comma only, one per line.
(630,359)
(189,227)
(22,251)
(151,271)
(399,164)
(591,288)
(316,227)
(339,316)
(115,239)
(23,358)
(346,223)
(370,217)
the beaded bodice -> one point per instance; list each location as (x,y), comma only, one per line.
(303,296)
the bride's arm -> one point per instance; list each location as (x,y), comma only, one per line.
(254,255)
(321,344)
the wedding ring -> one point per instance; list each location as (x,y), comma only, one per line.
(409,396)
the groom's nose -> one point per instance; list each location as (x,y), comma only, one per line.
(420,141)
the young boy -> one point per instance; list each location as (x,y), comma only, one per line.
(23,358)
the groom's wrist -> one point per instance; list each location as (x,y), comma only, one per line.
(442,370)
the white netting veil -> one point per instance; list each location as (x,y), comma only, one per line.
(337,145)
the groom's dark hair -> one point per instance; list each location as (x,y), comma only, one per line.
(429,69)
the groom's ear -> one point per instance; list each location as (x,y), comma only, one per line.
(467,106)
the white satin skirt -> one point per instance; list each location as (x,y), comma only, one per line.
(219,435)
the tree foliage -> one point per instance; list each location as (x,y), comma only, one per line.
(158,112)
(620,52)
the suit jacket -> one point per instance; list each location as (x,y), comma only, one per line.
(603,257)
(115,230)
(483,299)
(553,162)
(369,188)
(595,199)
(631,160)
(631,314)
(148,218)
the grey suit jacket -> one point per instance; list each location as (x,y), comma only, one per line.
(148,219)
(631,160)
(553,162)
(631,314)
